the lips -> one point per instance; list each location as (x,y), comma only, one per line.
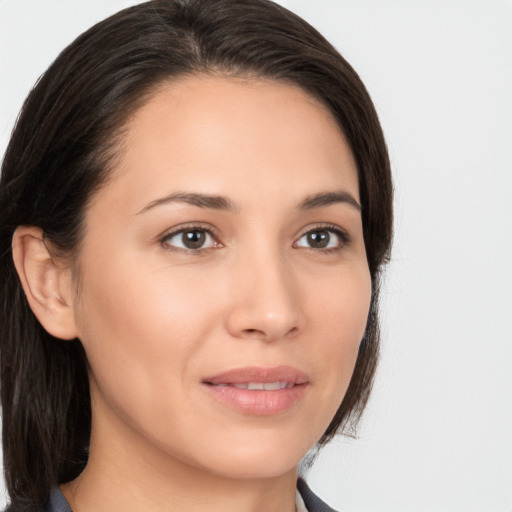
(259,391)
(256,374)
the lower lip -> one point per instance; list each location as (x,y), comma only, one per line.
(258,402)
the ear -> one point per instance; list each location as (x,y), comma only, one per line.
(47,285)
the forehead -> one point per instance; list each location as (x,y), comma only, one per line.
(232,136)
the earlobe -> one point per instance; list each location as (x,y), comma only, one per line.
(47,285)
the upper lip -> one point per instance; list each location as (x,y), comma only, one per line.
(259,374)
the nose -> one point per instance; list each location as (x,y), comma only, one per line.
(265,300)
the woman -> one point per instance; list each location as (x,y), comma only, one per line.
(196,207)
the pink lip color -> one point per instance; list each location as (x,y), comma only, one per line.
(258,402)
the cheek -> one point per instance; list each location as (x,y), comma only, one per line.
(343,303)
(341,315)
(137,321)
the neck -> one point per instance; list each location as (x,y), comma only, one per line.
(126,474)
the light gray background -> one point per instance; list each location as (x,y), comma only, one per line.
(437,435)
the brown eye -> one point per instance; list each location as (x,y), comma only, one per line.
(322,239)
(190,239)
(318,239)
(193,239)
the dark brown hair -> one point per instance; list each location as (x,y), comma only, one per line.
(62,150)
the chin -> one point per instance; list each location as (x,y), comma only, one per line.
(260,468)
(261,458)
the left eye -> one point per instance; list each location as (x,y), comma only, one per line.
(321,239)
(190,239)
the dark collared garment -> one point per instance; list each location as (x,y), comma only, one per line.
(311,500)
(313,503)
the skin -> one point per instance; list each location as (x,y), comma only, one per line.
(156,319)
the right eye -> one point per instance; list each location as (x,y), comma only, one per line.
(190,239)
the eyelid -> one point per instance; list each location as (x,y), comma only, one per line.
(189,226)
(344,236)
(341,233)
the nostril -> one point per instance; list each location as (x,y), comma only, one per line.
(270,334)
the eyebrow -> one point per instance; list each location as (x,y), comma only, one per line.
(199,200)
(329,198)
(215,202)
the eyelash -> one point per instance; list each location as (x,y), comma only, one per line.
(189,228)
(341,234)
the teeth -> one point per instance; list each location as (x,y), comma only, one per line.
(255,386)
(262,386)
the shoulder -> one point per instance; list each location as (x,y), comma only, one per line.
(57,503)
(311,500)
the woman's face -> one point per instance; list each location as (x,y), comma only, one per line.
(224,283)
